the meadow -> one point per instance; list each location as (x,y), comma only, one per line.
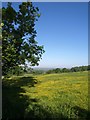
(48,96)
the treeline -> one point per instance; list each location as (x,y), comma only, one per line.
(73,69)
(21,70)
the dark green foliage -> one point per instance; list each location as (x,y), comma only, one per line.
(81,68)
(16,70)
(73,69)
(18,36)
(50,71)
(88,68)
(57,70)
(36,72)
(65,70)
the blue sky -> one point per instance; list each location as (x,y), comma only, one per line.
(63,30)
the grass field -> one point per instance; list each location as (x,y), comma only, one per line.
(49,96)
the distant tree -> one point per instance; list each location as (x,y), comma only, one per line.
(38,72)
(88,68)
(57,70)
(18,36)
(84,68)
(74,69)
(50,71)
(65,70)
(80,68)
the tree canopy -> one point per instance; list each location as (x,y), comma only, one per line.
(18,36)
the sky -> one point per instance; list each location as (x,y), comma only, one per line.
(63,30)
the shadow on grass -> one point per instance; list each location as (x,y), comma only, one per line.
(14,104)
(19,82)
(82,113)
(18,106)
(40,113)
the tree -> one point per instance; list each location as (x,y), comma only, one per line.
(18,36)
(88,68)
(57,70)
(17,70)
(84,68)
(65,70)
(74,69)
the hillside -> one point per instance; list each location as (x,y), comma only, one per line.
(55,96)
